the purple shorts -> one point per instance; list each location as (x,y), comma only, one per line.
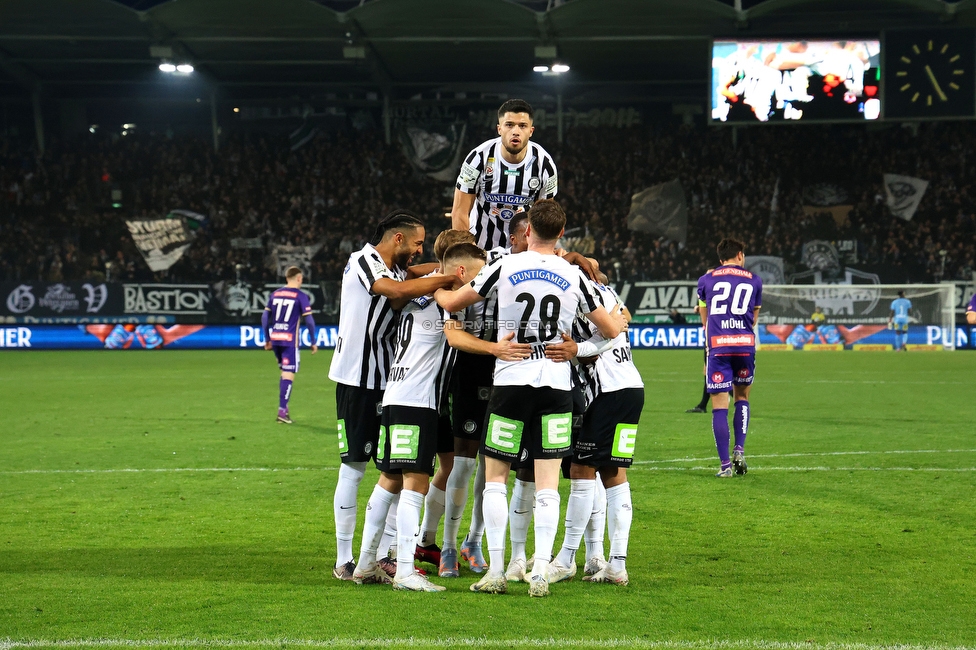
(287,356)
(723,371)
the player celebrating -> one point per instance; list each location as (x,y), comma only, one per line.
(287,306)
(614,398)
(729,298)
(502,176)
(531,405)
(900,307)
(374,286)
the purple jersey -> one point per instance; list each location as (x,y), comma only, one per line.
(286,307)
(730,294)
(972,304)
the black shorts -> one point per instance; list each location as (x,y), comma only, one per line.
(445,435)
(408,440)
(609,432)
(358,412)
(538,419)
(579,401)
(470,390)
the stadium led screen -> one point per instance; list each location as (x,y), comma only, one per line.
(778,81)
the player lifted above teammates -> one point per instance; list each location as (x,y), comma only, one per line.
(374,286)
(280,323)
(530,406)
(729,298)
(501,177)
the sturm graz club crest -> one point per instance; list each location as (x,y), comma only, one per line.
(855,293)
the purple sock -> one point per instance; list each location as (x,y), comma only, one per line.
(720,427)
(740,424)
(284,392)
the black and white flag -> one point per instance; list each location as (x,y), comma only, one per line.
(301,256)
(904,194)
(161,241)
(660,210)
(434,149)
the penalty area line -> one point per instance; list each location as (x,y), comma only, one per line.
(815,454)
(446,642)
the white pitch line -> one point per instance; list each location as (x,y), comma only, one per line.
(812,469)
(480,642)
(816,454)
(138,470)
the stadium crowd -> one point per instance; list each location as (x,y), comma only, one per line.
(57,222)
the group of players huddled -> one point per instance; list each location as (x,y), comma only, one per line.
(508,353)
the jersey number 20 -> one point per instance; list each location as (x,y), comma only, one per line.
(740,299)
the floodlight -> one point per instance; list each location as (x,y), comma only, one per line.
(540,68)
(167,67)
(186,68)
(559,68)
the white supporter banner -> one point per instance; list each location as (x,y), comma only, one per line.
(904,194)
(300,256)
(162,242)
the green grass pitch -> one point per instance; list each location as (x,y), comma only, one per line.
(149,499)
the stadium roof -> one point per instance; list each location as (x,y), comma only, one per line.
(657,49)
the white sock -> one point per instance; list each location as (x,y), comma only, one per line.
(620,514)
(520,516)
(496,516)
(389,531)
(344,508)
(376,510)
(433,511)
(546,522)
(456,497)
(408,527)
(477,509)
(598,522)
(578,510)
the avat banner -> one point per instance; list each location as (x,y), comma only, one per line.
(653,301)
(660,210)
(162,242)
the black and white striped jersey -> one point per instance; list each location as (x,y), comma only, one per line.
(479,318)
(502,189)
(538,299)
(422,361)
(614,369)
(367,323)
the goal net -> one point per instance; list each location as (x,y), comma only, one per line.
(863,309)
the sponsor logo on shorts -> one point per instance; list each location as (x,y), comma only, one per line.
(484,392)
(556,430)
(470,426)
(504,435)
(404,441)
(717,378)
(379,408)
(624,441)
(343,444)
(744,373)
(733,340)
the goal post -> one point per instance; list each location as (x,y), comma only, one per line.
(858,312)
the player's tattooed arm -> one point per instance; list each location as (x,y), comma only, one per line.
(400,293)
(506,349)
(460,211)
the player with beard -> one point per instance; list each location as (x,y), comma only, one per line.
(375,286)
(502,176)
(530,405)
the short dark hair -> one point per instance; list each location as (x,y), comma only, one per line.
(448,238)
(515,106)
(399,219)
(517,221)
(292,271)
(464,251)
(729,248)
(547,219)
(901,294)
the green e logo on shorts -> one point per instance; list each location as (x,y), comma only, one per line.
(381,446)
(404,441)
(343,444)
(504,435)
(557,430)
(624,441)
